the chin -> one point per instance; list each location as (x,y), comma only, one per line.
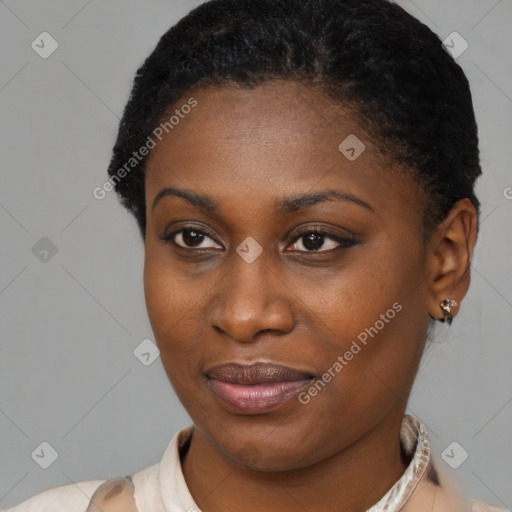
(250,458)
(261,451)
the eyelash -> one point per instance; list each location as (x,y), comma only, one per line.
(344,243)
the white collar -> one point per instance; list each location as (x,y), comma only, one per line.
(413,436)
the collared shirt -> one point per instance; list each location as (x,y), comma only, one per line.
(162,487)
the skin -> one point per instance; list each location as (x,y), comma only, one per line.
(247,149)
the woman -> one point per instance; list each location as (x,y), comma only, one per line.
(302,173)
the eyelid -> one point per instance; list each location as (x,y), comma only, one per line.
(342,241)
(322,231)
(168,237)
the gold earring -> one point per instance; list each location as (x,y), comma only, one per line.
(446,306)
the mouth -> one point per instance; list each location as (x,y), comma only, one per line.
(256,388)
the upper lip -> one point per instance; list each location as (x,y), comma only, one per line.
(256,373)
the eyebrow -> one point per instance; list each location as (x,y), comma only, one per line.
(287,205)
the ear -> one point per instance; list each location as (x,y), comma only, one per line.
(450,253)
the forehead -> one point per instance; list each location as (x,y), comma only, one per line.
(267,142)
(282,118)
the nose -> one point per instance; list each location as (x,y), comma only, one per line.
(251,299)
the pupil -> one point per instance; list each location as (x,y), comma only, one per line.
(192,237)
(312,241)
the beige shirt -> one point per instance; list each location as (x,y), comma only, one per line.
(162,487)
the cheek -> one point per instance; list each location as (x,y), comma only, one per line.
(166,300)
(159,302)
(351,299)
(175,310)
(376,322)
(168,296)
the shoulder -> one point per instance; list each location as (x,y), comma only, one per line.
(121,494)
(436,493)
(113,495)
(66,498)
(116,495)
(479,506)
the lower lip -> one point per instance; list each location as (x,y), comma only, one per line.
(256,398)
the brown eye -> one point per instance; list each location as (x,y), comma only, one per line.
(190,238)
(320,241)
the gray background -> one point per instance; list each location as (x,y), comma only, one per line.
(69,326)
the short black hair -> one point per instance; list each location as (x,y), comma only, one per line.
(370,55)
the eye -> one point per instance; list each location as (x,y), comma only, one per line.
(313,240)
(310,241)
(190,238)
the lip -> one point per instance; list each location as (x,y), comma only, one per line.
(256,388)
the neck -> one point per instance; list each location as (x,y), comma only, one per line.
(351,480)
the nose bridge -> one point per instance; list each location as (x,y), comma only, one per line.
(250,298)
(251,279)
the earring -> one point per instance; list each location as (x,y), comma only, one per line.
(446,306)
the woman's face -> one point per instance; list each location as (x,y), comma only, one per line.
(234,274)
